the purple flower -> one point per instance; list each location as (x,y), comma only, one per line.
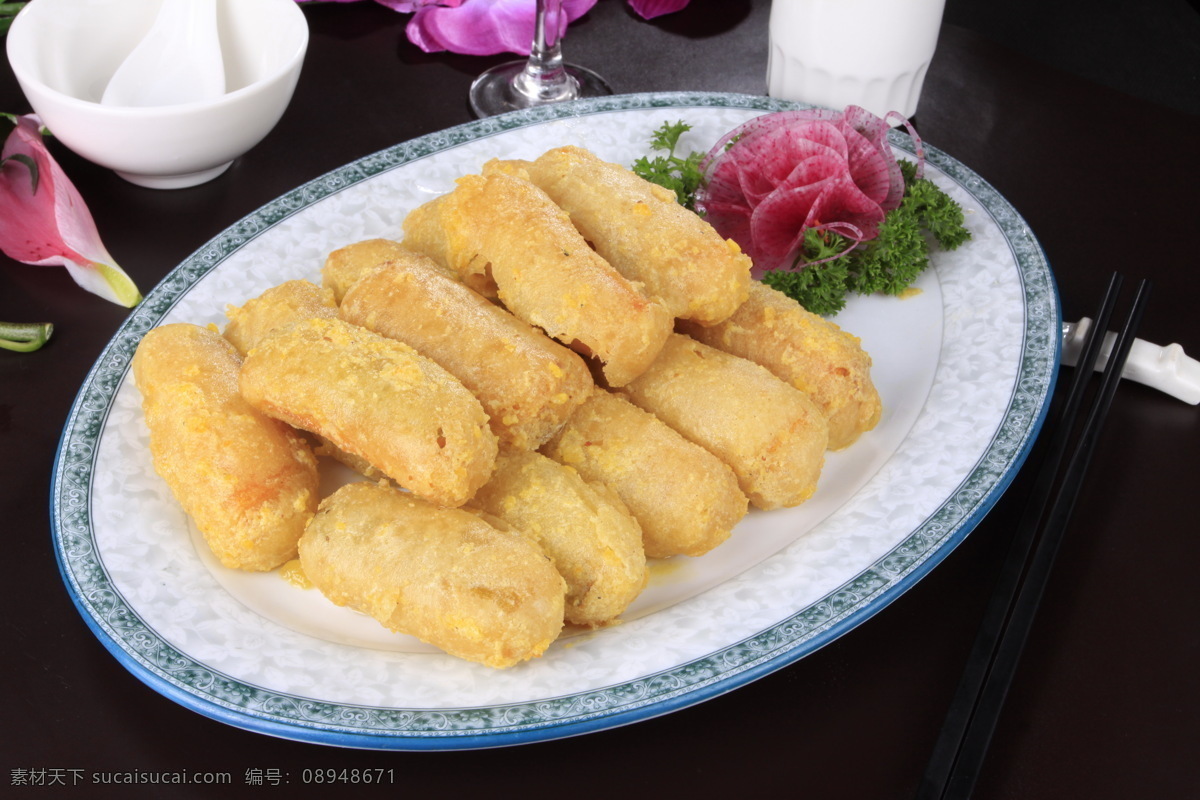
(649,9)
(487,27)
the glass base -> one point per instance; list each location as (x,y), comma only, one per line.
(495,90)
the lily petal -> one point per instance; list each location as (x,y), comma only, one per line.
(409,6)
(485,27)
(649,9)
(47,223)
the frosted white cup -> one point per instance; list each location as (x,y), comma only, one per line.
(869,53)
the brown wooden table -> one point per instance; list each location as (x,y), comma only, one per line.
(1106,703)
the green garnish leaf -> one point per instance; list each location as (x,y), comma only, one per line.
(822,286)
(891,261)
(681,175)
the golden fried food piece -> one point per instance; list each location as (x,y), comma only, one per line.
(276,308)
(347,264)
(643,231)
(686,499)
(249,482)
(585,529)
(425,233)
(808,351)
(528,383)
(377,399)
(505,238)
(770,433)
(442,575)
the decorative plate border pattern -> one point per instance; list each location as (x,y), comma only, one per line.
(209,692)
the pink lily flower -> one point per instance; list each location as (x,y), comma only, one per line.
(649,9)
(44,221)
(487,27)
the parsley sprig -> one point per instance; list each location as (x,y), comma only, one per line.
(680,175)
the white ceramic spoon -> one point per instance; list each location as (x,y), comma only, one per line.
(179,60)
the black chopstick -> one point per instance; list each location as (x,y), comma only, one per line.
(962,708)
(966,733)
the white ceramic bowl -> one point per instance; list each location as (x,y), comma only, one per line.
(63,53)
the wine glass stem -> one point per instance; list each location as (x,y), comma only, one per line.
(544,78)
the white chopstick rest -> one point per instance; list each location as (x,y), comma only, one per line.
(1167,369)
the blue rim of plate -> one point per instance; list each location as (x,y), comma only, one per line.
(192,684)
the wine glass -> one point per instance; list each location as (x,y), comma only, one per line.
(540,79)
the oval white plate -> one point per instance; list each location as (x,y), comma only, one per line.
(965,369)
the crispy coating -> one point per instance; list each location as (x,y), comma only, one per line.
(441,574)
(808,351)
(528,383)
(770,433)
(686,499)
(505,238)
(642,230)
(347,264)
(377,399)
(276,308)
(249,482)
(585,529)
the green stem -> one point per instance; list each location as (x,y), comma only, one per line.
(24,337)
(7,12)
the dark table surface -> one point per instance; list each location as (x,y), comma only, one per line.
(1106,703)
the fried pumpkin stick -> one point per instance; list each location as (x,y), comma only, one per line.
(685,498)
(808,352)
(583,527)
(505,238)
(344,266)
(528,383)
(642,230)
(276,308)
(442,575)
(249,482)
(771,435)
(377,399)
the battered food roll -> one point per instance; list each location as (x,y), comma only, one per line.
(276,308)
(425,233)
(642,230)
(248,482)
(377,399)
(347,264)
(686,500)
(504,237)
(442,575)
(528,384)
(806,350)
(769,433)
(585,529)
